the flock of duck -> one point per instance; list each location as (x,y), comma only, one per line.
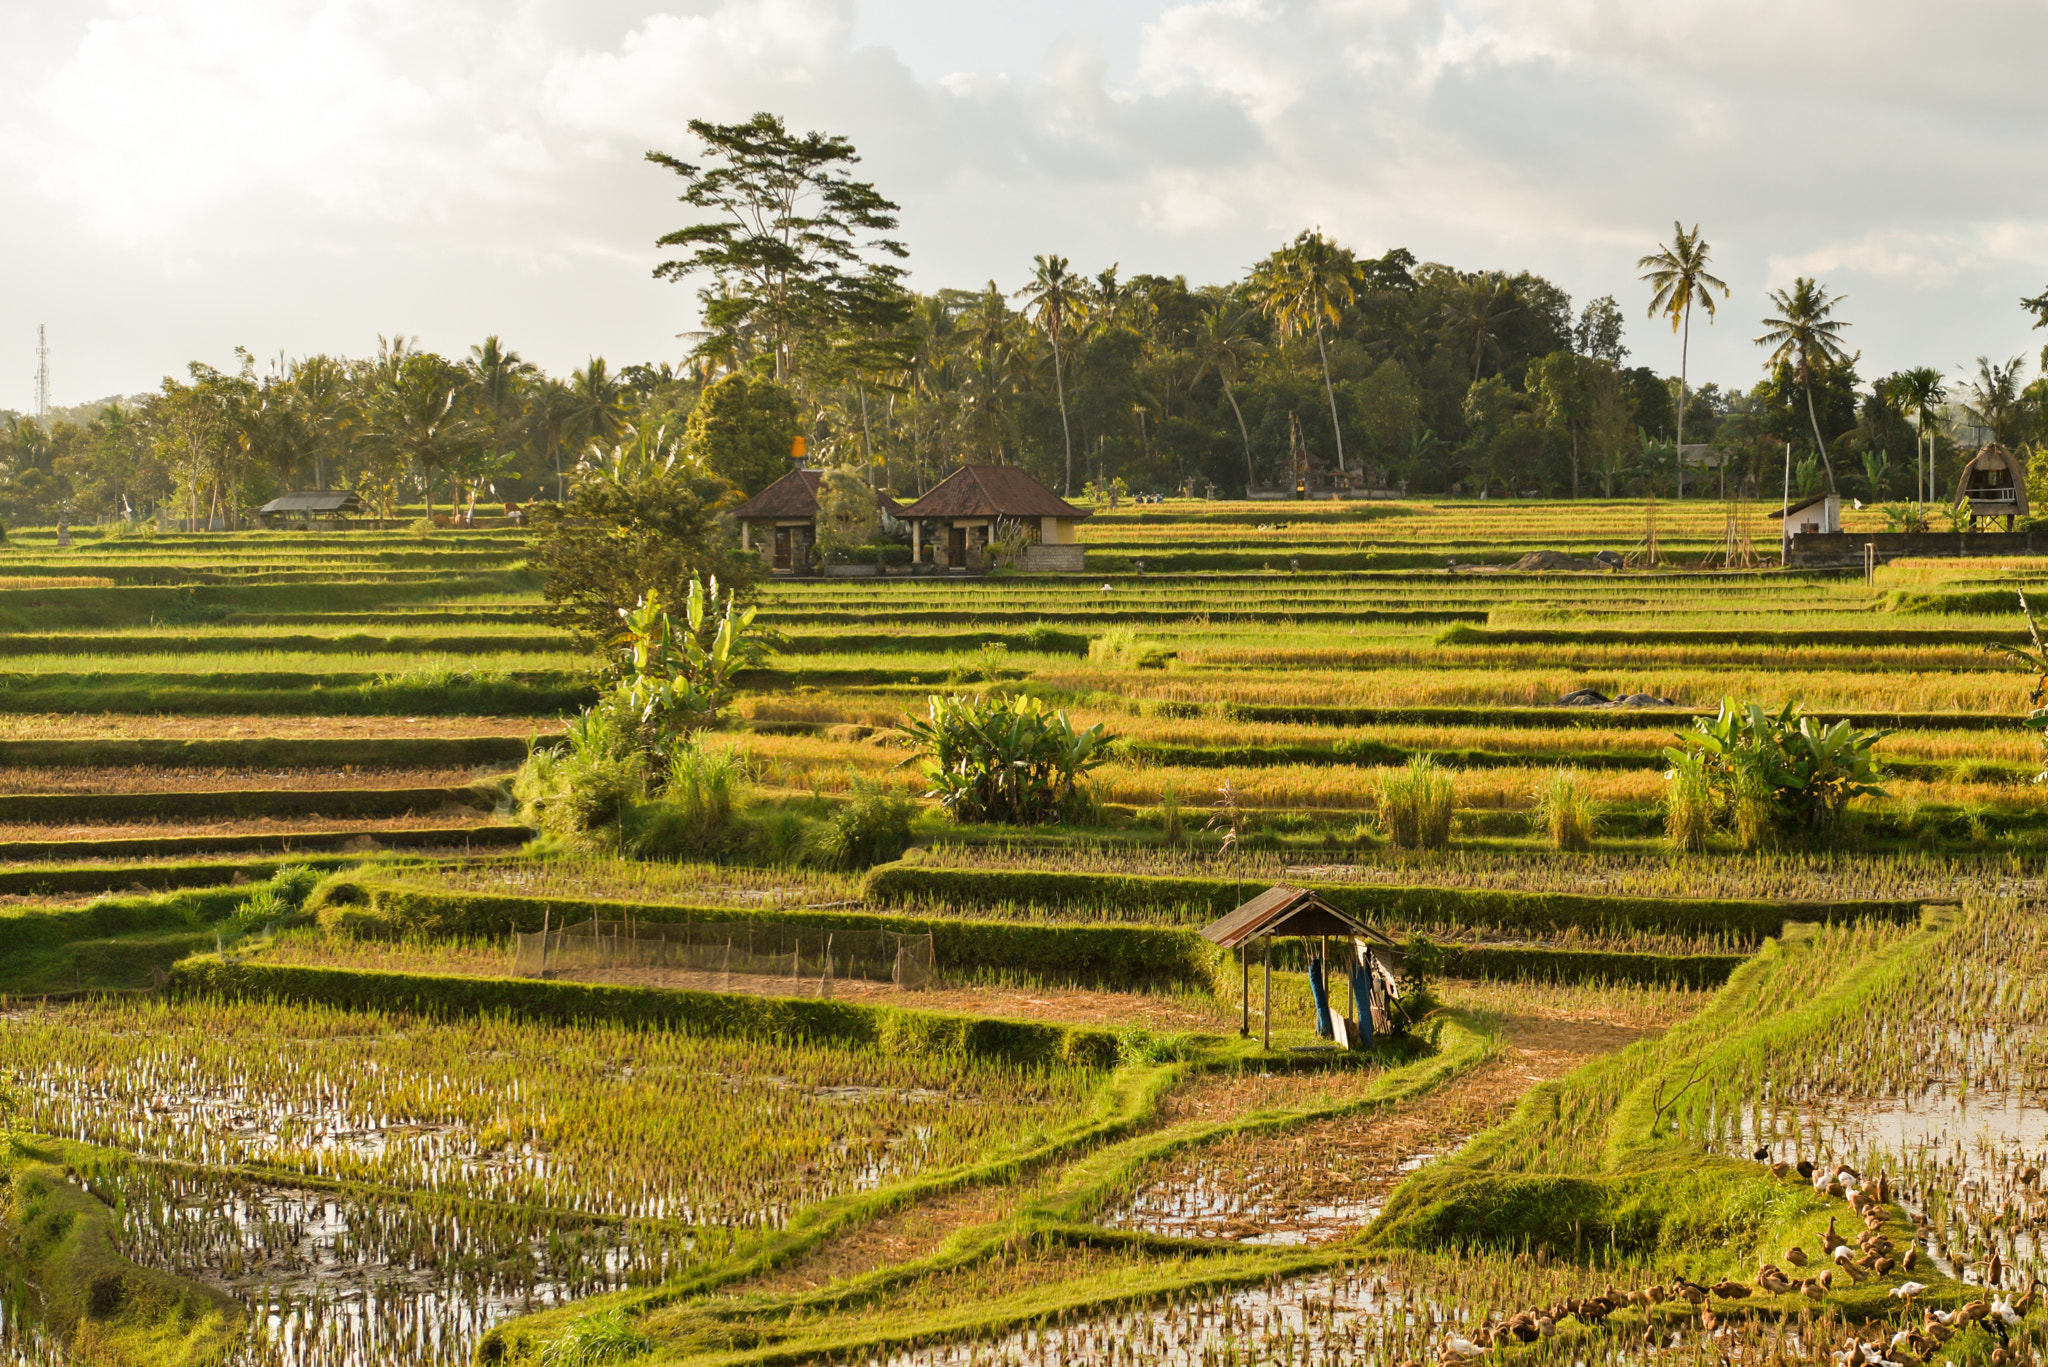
(1872,1254)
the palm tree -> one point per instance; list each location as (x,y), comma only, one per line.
(1678,278)
(413,415)
(1055,298)
(498,379)
(1916,392)
(1479,313)
(598,403)
(1995,399)
(1807,337)
(1223,343)
(1305,284)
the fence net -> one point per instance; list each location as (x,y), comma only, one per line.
(809,957)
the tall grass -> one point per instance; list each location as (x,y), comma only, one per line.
(1415,804)
(1688,804)
(1566,810)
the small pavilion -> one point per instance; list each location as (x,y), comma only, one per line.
(968,503)
(1283,912)
(305,506)
(784,516)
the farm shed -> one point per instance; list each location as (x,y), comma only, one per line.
(1283,912)
(1820,514)
(967,505)
(304,507)
(784,516)
(1994,484)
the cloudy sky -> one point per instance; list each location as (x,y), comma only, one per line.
(182,176)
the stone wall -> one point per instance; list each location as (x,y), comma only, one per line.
(1846,548)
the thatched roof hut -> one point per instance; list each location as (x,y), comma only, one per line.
(1994,483)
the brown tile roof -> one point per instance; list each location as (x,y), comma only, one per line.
(796,495)
(991,491)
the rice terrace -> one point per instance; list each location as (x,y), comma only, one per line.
(1322,818)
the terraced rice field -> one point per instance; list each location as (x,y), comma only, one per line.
(366,1129)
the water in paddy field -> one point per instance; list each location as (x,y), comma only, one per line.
(1277,1202)
(1958,1155)
(339,1279)
(22,1340)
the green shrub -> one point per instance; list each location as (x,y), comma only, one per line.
(589,785)
(1779,772)
(872,827)
(1415,804)
(778,837)
(1005,758)
(1566,810)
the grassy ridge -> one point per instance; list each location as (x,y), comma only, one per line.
(62,808)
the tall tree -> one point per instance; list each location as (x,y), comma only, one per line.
(1304,285)
(415,416)
(784,248)
(1223,343)
(1478,311)
(597,403)
(1054,299)
(1805,336)
(1918,392)
(1678,278)
(1995,398)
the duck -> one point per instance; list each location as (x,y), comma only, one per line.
(2001,1310)
(1805,1170)
(1692,1291)
(1780,1169)
(1906,1291)
(2030,1177)
(1522,1328)
(1730,1291)
(1937,1328)
(1912,1258)
(1883,1266)
(1456,1346)
(1848,1265)
(1831,1238)
(1796,1256)
(1813,1289)
(1975,1310)
(2025,1302)
(1995,1273)
(1772,1280)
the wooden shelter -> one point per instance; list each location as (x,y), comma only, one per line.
(785,518)
(1821,513)
(305,506)
(968,504)
(1283,912)
(1994,484)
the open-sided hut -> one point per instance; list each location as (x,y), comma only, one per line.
(1994,484)
(307,506)
(783,518)
(967,505)
(1372,959)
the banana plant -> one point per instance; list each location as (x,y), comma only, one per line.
(675,678)
(1003,758)
(1808,771)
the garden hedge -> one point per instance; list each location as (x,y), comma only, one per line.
(53,881)
(894,1029)
(1517,963)
(1191,900)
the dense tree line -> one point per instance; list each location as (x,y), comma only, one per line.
(1316,366)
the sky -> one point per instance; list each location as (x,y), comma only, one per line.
(185,176)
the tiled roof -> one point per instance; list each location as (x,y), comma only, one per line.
(794,495)
(991,491)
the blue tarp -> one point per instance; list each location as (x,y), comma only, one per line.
(1361,1002)
(1321,992)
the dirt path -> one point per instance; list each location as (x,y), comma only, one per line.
(1327,1180)
(1306,1185)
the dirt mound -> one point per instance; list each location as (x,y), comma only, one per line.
(1555,560)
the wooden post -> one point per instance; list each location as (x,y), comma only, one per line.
(916,541)
(1244,961)
(1267,1023)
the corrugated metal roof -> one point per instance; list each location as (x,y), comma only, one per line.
(991,491)
(1286,911)
(316,501)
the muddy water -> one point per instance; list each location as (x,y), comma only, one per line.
(339,1279)
(1957,1155)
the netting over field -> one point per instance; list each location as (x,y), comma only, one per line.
(806,955)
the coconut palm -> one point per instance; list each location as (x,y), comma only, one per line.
(597,408)
(1055,299)
(1301,287)
(1478,311)
(1806,336)
(1995,398)
(1223,343)
(1916,393)
(1678,278)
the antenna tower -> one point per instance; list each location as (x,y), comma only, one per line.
(42,374)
